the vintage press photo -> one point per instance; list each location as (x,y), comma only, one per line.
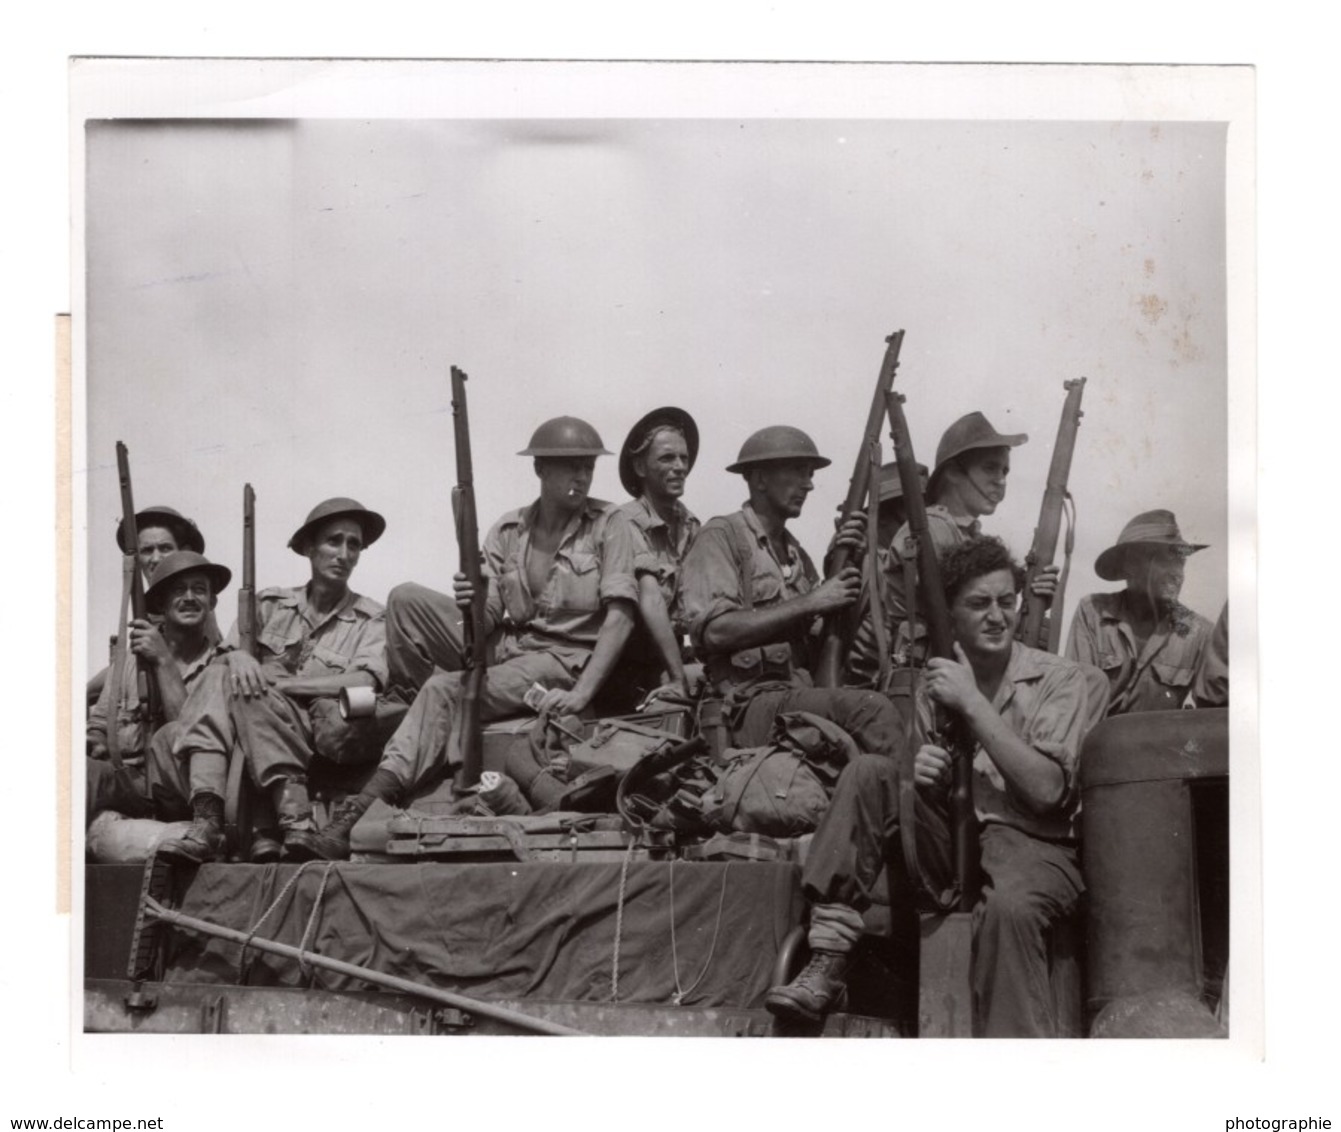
(282,260)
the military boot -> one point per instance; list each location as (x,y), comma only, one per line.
(332,842)
(205,840)
(293,809)
(266,847)
(817,990)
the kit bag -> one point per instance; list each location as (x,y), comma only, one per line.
(782,789)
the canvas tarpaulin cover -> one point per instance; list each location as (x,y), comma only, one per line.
(537,929)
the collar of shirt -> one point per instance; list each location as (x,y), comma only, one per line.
(653,519)
(756,526)
(296,599)
(970,526)
(1119,610)
(524,519)
(1024,667)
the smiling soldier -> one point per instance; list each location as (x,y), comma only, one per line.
(655,461)
(176,650)
(1148,643)
(313,640)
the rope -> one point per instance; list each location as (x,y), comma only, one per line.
(256,927)
(304,967)
(682,992)
(619,917)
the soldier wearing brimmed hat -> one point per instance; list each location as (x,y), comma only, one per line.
(159,531)
(657,456)
(1147,642)
(175,649)
(277,709)
(754,601)
(561,605)
(967,482)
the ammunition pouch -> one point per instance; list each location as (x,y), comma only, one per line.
(750,666)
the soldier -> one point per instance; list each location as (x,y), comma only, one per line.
(1027,712)
(175,650)
(561,605)
(160,531)
(657,456)
(968,482)
(1211,686)
(754,601)
(1148,643)
(276,710)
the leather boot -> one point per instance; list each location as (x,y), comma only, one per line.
(205,840)
(817,990)
(265,847)
(331,843)
(293,809)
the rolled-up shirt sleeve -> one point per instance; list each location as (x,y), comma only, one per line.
(492,567)
(1056,725)
(709,580)
(618,555)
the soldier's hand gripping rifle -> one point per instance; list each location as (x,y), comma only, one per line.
(930,597)
(133,594)
(1037,629)
(840,625)
(473,622)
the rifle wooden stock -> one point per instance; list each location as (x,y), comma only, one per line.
(839,626)
(146,687)
(473,623)
(936,615)
(1034,629)
(246,596)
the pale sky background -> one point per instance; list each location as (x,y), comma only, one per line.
(227,351)
(279,301)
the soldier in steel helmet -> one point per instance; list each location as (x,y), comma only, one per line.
(159,531)
(561,604)
(654,462)
(176,650)
(754,602)
(279,708)
(1148,643)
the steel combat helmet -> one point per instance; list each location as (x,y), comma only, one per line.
(371,523)
(565,436)
(777,442)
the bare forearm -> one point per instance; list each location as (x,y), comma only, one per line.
(1037,779)
(171,690)
(312,686)
(615,630)
(656,617)
(741,629)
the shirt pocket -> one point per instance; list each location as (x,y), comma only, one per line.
(278,646)
(577,582)
(1176,677)
(514,596)
(325,661)
(766,588)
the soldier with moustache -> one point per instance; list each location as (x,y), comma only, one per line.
(656,458)
(159,531)
(1150,645)
(174,649)
(562,601)
(277,710)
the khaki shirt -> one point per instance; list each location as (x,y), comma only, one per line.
(1157,677)
(293,641)
(593,565)
(131,731)
(659,550)
(1211,686)
(710,585)
(1050,703)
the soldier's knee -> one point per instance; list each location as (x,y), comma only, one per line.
(1016,909)
(406,595)
(869,768)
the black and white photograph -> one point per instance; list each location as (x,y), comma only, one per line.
(663,550)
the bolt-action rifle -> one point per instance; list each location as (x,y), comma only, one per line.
(132,593)
(246,596)
(473,624)
(1037,629)
(930,597)
(839,626)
